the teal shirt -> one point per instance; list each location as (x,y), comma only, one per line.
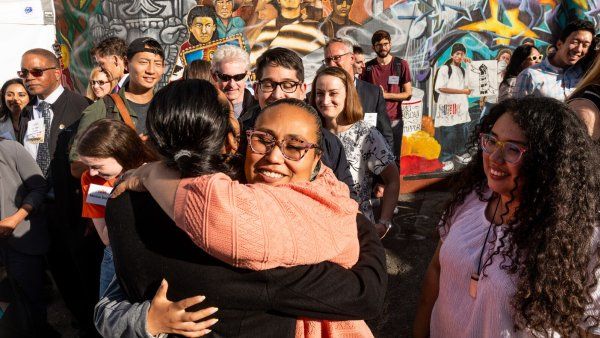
(235,25)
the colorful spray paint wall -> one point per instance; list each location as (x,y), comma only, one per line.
(423,32)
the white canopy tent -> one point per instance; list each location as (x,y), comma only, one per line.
(24,24)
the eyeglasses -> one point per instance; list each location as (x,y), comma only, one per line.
(334,58)
(511,152)
(536,57)
(268,86)
(339,2)
(227,78)
(36,72)
(98,82)
(292,148)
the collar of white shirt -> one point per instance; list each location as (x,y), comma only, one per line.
(52,97)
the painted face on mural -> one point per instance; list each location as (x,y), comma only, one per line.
(505,57)
(145,69)
(289,4)
(382,48)
(575,47)
(45,84)
(234,90)
(203,28)
(224,8)
(342,8)
(279,75)
(458,57)
(338,55)
(331,96)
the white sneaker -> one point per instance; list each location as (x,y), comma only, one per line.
(464,158)
(448,166)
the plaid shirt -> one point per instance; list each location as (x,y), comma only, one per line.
(547,80)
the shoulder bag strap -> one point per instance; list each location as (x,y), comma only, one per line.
(123,110)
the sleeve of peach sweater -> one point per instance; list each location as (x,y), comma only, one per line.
(259,227)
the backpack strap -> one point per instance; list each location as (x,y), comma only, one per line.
(122,110)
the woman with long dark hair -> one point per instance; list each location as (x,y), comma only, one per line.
(523,56)
(14,98)
(519,249)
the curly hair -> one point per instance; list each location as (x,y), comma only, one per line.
(546,244)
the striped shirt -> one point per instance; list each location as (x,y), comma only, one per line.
(301,36)
(546,80)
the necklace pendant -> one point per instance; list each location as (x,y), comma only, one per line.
(473,285)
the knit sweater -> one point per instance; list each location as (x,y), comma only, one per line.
(261,227)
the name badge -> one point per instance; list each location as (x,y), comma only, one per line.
(394,80)
(98,194)
(35,131)
(371,119)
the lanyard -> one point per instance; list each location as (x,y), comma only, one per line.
(475,276)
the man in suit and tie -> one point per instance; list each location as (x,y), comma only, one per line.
(339,53)
(46,130)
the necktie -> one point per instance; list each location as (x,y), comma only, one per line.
(43,153)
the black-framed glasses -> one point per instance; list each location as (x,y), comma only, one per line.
(98,82)
(339,2)
(227,78)
(292,148)
(512,152)
(334,58)
(268,86)
(534,58)
(36,72)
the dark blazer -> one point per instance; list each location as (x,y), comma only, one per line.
(147,247)
(67,110)
(372,101)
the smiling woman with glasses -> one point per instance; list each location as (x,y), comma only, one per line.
(99,85)
(519,241)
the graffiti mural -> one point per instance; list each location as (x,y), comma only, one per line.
(423,33)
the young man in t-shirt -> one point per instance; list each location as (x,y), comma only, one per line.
(146,62)
(392,74)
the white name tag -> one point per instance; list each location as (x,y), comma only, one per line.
(98,194)
(371,119)
(35,131)
(394,80)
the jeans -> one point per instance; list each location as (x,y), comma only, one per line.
(452,139)
(107,270)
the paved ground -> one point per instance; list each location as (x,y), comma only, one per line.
(407,260)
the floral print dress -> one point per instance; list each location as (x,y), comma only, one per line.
(368,155)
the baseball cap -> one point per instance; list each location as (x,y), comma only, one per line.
(145,44)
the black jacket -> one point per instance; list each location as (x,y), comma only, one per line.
(372,101)
(147,247)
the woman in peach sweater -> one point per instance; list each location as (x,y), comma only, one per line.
(261,226)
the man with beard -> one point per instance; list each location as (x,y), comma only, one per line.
(558,75)
(392,74)
(338,18)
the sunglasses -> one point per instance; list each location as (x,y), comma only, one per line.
(292,148)
(227,78)
(536,57)
(35,72)
(98,82)
(512,152)
(339,2)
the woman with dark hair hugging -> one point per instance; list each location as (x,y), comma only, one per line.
(518,254)
(299,215)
